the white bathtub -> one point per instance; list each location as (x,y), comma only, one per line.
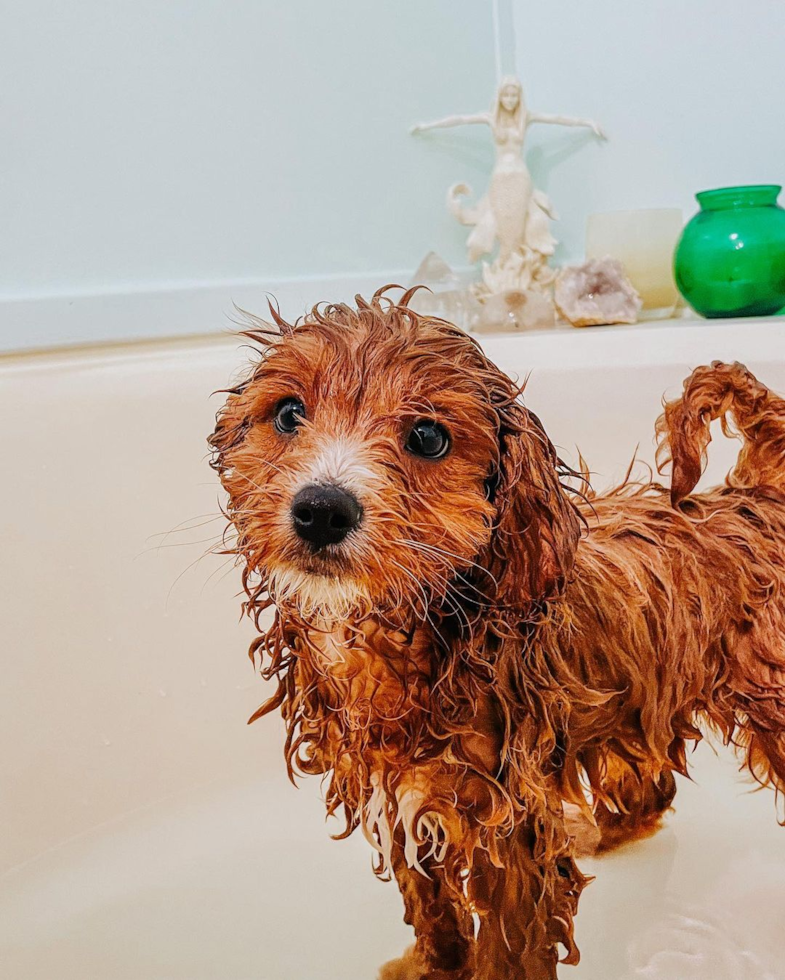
(147,833)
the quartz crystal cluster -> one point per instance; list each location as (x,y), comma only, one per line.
(596,292)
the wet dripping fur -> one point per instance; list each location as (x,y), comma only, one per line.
(476,653)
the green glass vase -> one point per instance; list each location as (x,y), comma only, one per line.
(730,259)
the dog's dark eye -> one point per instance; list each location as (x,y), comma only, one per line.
(428,439)
(289,415)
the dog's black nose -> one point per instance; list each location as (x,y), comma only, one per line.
(324,514)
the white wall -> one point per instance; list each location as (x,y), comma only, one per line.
(146,143)
(691,93)
(162,158)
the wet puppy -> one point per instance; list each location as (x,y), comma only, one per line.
(461,643)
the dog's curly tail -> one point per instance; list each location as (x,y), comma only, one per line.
(716,392)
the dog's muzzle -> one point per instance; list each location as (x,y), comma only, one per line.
(324,514)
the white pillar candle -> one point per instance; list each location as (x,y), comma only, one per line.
(643,241)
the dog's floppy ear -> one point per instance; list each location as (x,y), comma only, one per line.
(536,531)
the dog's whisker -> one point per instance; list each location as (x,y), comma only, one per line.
(253,483)
(442,551)
(215,538)
(425,614)
(267,462)
(225,567)
(451,571)
(418,584)
(188,525)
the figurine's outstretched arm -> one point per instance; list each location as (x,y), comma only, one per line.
(542,117)
(481,117)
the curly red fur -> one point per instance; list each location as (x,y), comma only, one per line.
(490,643)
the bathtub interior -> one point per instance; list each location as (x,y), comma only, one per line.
(147,831)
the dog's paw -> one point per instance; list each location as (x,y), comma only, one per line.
(406,967)
(586,836)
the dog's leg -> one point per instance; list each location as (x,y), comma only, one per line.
(527,905)
(757,693)
(442,924)
(641,802)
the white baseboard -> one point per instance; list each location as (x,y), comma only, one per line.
(170,310)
